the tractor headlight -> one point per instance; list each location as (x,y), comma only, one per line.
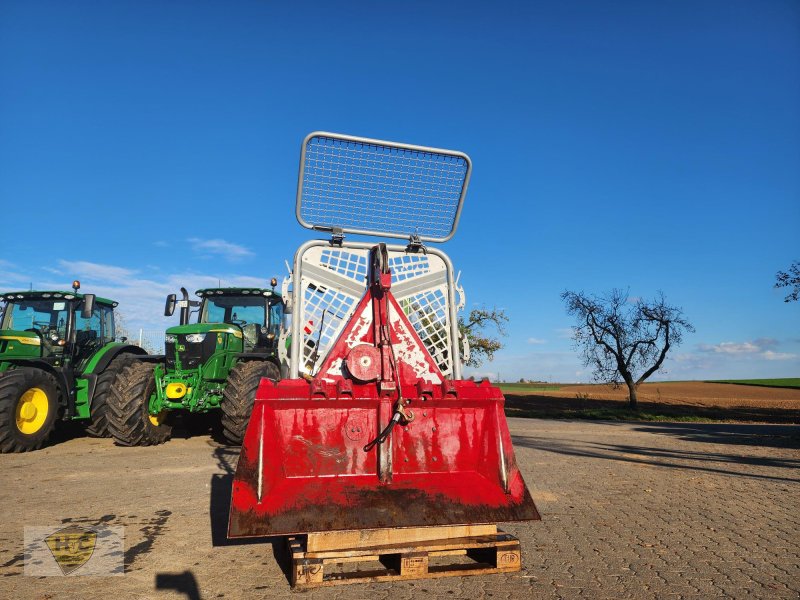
(170,339)
(195,338)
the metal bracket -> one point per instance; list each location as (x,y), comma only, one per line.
(337,236)
(415,244)
(318,388)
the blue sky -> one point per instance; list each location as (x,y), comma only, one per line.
(644,145)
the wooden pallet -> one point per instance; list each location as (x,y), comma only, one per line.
(416,553)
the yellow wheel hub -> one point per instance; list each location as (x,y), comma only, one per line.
(32,410)
(176,390)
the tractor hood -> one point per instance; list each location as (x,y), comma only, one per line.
(193,346)
(19,344)
(205,328)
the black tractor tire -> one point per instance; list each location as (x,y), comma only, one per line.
(240,394)
(129,420)
(97,426)
(35,393)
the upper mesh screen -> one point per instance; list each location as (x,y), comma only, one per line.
(380,188)
(333,280)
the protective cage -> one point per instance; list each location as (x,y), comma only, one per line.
(374,187)
(328,282)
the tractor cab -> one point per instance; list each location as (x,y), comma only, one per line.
(230,321)
(258,313)
(54,325)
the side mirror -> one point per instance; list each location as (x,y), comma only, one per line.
(88,306)
(169,308)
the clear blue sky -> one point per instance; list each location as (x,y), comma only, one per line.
(649,145)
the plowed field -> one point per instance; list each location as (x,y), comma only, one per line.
(719,401)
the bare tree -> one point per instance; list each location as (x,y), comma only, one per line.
(790,279)
(482,346)
(620,338)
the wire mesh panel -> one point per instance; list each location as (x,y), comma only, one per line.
(405,266)
(333,279)
(332,282)
(382,188)
(427,312)
(425,305)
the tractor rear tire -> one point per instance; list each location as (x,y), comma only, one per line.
(129,419)
(240,394)
(28,409)
(98,417)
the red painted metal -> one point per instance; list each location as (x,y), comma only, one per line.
(364,362)
(307,465)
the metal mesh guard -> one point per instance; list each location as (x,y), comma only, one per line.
(326,309)
(380,188)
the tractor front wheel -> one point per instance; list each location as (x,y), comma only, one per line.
(98,417)
(240,394)
(28,409)
(129,420)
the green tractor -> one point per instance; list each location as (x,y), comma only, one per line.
(58,359)
(216,363)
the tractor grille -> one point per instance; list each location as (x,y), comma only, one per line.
(194,354)
(169,353)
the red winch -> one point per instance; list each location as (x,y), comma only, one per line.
(383,440)
(381,431)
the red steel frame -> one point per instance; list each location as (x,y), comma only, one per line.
(312,459)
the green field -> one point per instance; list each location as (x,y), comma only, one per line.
(786,382)
(521,388)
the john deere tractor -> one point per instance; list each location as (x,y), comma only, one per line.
(214,364)
(58,357)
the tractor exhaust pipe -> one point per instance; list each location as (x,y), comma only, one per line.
(185,308)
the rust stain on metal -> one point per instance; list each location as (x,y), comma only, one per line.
(376,508)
